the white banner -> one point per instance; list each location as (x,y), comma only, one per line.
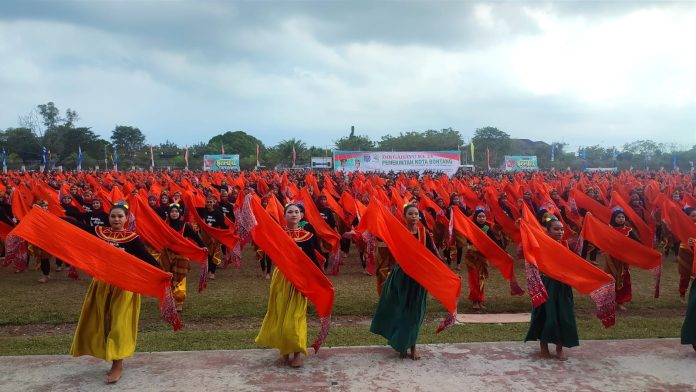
(386,161)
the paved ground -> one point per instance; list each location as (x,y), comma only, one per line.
(627,365)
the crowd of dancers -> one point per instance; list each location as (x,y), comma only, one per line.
(137,233)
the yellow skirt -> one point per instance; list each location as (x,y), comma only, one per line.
(285,324)
(108,326)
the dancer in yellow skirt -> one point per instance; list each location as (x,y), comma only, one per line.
(285,324)
(108,326)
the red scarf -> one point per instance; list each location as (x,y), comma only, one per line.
(160,235)
(543,253)
(297,268)
(94,257)
(488,248)
(414,258)
(618,245)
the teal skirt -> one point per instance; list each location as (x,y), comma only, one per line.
(400,311)
(688,332)
(554,320)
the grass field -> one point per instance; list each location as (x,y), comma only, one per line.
(40,318)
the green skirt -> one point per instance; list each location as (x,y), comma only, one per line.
(554,320)
(688,332)
(400,311)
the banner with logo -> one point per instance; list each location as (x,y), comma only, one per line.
(397,161)
(221,162)
(521,162)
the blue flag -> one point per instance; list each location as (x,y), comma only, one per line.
(79,155)
(674,160)
(553,152)
(44,160)
(115,157)
(4,158)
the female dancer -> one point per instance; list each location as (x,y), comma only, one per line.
(401,308)
(285,324)
(476,263)
(617,268)
(685,258)
(688,332)
(108,325)
(179,265)
(554,320)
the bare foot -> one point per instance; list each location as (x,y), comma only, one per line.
(476,306)
(297,361)
(621,307)
(283,361)
(403,355)
(58,269)
(682,299)
(560,354)
(545,353)
(43,279)
(268,276)
(414,354)
(482,305)
(211,276)
(114,374)
(179,308)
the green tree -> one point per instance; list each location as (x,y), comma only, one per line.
(283,151)
(241,143)
(354,143)
(430,140)
(50,115)
(128,141)
(23,142)
(497,142)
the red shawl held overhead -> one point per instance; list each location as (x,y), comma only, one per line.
(544,254)
(415,259)
(97,258)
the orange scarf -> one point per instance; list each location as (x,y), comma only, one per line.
(159,235)
(290,260)
(488,248)
(94,257)
(415,259)
(646,233)
(543,253)
(619,246)
(581,200)
(681,226)
(323,230)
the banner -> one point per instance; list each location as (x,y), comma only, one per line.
(321,163)
(521,162)
(221,162)
(399,161)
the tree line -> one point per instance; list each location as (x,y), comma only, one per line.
(46,126)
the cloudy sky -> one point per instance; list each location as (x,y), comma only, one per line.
(590,72)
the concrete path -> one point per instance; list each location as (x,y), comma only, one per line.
(627,365)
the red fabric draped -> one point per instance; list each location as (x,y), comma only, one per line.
(507,223)
(21,198)
(5,229)
(560,263)
(681,226)
(226,236)
(619,246)
(290,260)
(414,258)
(484,244)
(588,203)
(159,235)
(98,259)
(323,230)
(337,209)
(646,233)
